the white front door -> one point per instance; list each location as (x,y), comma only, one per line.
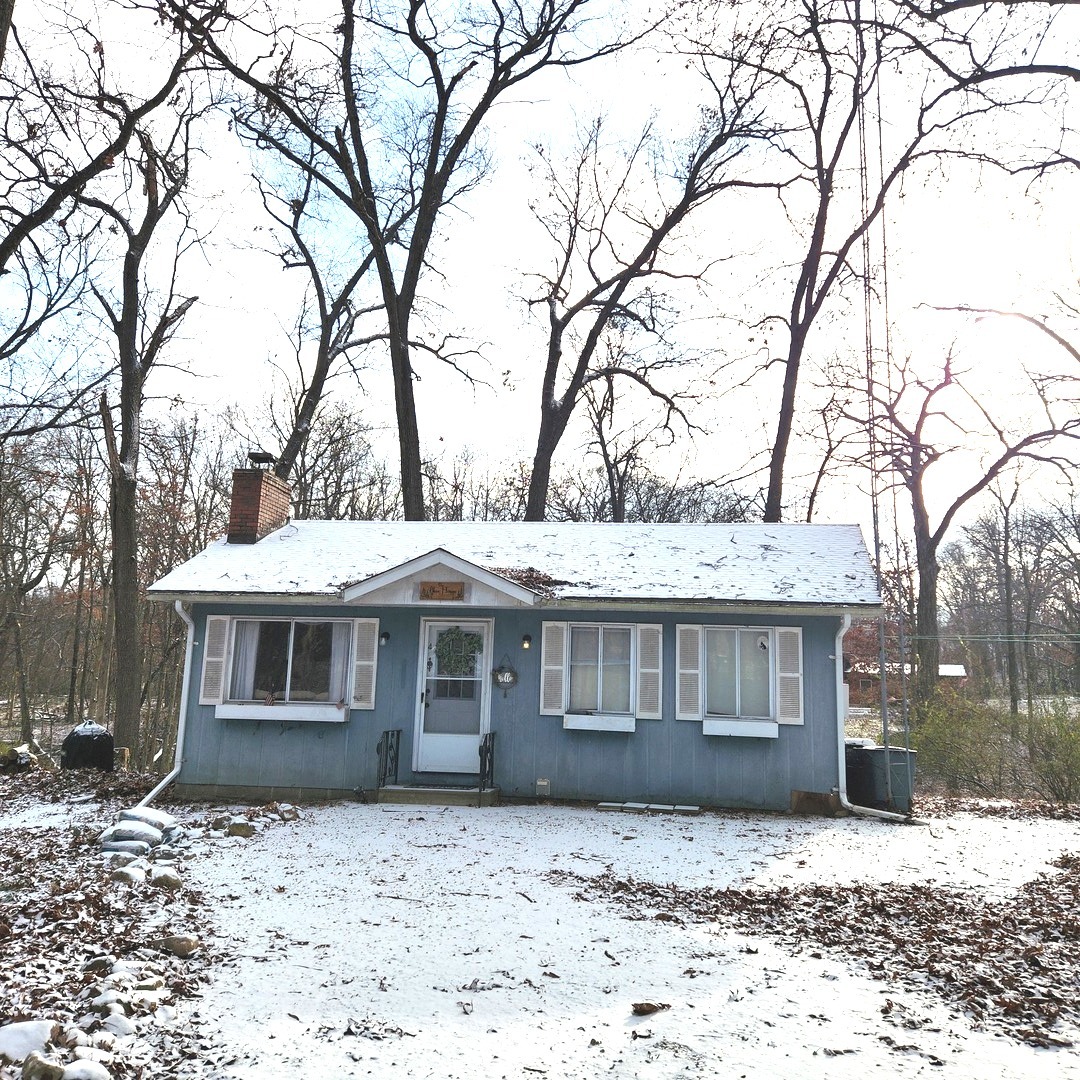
(453,710)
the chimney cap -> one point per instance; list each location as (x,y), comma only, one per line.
(261,457)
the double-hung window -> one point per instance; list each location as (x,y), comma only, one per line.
(600,669)
(738,672)
(288,669)
(601,676)
(740,680)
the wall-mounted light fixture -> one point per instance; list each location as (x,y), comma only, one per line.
(526,641)
(384,638)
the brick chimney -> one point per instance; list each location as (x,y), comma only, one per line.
(260,504)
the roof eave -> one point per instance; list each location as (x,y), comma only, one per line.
(215,597)
(863,608)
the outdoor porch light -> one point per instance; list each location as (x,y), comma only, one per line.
(384,637)
(526,641)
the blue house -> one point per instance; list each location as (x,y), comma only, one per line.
(668,664)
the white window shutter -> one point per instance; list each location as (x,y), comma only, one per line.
(650,640)
(688,662)
(553,669)
(365,656)
(215,646)
(789,675)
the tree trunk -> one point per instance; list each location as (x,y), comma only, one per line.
(412,475)
(104,678)
(774,500)
(26,720)
(126,615)
(1010,619)
(76,646)
(539,481)
(7,12)
(547,442)
(927,644)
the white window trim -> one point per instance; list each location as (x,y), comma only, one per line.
(757,729)
(322,712)
(786,687)
(361,664)
(599,722)
(646,683)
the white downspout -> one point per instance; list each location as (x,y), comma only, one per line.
(178,754)
(841,791)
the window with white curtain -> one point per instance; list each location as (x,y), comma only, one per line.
(289,661)
(600,669)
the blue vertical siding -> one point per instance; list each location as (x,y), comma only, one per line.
(665,760)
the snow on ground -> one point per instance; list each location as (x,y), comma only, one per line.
(375,940)
(32,814)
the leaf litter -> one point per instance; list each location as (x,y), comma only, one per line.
(1011,964)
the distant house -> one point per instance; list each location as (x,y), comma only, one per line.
(650,663)
(864,680)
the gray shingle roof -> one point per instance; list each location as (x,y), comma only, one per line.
(805,564)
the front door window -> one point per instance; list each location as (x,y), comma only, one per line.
(452,696)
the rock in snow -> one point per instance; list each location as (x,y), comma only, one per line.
(18,1041)
(182,945)
(129,847)
(132,830)
(164,877)
(159,819)
(85,1070)
(129,875)
(37,1067)
(119,1024)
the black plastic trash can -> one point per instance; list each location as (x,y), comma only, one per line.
(87,746)
(860,788)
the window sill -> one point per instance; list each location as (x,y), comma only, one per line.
(596,722)
(752,729)
(292,713)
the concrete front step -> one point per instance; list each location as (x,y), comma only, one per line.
(437,796)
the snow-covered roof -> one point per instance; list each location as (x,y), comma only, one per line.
(800,564)
(945,671)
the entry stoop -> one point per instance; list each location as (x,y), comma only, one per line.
(437,796)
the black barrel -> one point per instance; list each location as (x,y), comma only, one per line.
(87,746)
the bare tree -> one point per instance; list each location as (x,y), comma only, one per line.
(614,220)
(920,424)
(33,523)
(383,114)
(67,117)
(142,320)
(331,314)
(50,372)
(873,94)
(1065,530)
(634,491)
(184,484)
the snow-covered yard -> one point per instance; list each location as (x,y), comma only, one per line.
(525,940)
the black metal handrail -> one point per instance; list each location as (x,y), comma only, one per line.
(388,748)
(487,765)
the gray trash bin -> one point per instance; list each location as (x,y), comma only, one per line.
(901,766)
(866,776)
